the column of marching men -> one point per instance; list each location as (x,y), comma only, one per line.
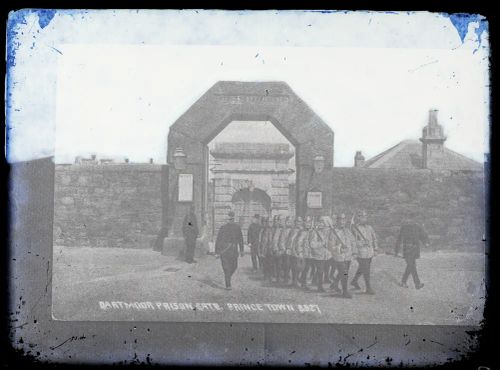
(313,252)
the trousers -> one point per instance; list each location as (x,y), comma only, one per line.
(343,268)
(320,267)
(411,269)
(363,270)
(229,260)
(309,265)
(253,253)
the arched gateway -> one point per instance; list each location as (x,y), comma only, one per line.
(229,101)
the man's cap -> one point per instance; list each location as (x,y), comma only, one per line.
(256,215)
(231,214)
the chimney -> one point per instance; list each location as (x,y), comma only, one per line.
(151,160)
(359,159)
(432,142)
(126,160)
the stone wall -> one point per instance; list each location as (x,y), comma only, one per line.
(120,205)
(117,205)
(450,204)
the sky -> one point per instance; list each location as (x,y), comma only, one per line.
(371,77)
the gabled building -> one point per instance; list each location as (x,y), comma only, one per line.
(428,152)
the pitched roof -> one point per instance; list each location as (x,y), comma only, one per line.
(408,154)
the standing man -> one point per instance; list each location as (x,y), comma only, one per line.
(342,253)
(308,263)
(277,231)
(410,237)
(229,239)
(319,252)
(262,244)
(253,240)
(282,245)
(297,253)
(287,256)
(190,232)
(367,248)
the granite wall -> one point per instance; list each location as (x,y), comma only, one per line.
(449,204)
(117,205)
(120,205)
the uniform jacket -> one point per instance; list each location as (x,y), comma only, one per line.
(276,239)
(292,235)
(253,235)
(299,242)
(262,240)
(306,243)
(266,240)
(282,242)
(229,238)
(318,244)
(366,241)
(411,236)
(344,245)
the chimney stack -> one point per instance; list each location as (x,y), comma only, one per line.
(432,142)
(359,159)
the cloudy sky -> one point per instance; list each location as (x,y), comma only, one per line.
(371,77)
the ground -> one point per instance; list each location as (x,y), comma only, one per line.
(105,283)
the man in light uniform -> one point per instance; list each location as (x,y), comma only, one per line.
(253,240)
(297,252)
(342,254)
(367,248)
(306,252)
(276,253)
(283,245)
(319,252)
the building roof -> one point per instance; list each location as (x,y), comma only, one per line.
(408,154)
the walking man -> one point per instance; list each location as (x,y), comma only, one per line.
(278,228)
(410,237)
(366,249)
(253,240)
(262,244)
(342,253)
(319,252)
(190,232)
(297,252)
(229,239)
(307,263)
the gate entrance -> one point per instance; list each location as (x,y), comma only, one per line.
(252,171)
(198,183)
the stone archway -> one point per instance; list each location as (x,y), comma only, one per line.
(228,101)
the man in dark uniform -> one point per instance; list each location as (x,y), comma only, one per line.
(410,237)
(190,232)
(253,240)
(229,239)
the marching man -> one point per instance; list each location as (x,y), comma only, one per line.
(342,254)
(366,249)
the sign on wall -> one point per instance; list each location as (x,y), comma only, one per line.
(185,187)
(314,199)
